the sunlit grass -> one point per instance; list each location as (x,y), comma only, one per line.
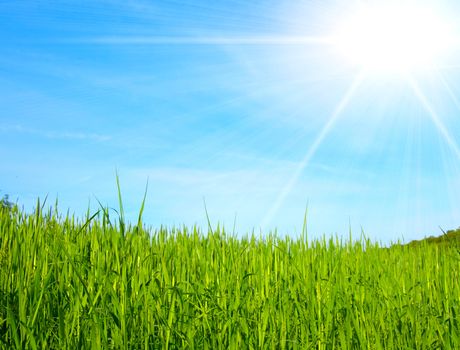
(96,283)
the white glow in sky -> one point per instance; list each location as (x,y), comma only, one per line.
(394,38)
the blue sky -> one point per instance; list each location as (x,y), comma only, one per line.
(222,101)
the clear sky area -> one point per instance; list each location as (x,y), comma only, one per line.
(257,108)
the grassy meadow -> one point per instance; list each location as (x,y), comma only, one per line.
(99,283)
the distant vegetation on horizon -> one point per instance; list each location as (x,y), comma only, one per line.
(451,237)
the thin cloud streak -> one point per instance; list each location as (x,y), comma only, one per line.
(312,150)
(55,134)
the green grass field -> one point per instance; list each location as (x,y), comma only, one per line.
(67,283)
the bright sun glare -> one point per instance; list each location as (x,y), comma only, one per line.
(394,38)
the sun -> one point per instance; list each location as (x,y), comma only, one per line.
(393,38)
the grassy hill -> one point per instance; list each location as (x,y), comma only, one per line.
(450,238)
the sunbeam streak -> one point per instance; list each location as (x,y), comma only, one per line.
(434,116)
(206,40)
(312,150)
(451,94)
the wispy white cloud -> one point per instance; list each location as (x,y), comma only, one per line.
(52,134)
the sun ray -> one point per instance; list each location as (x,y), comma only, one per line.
(207,40)
(312,150)
(434,116)
(450,92)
